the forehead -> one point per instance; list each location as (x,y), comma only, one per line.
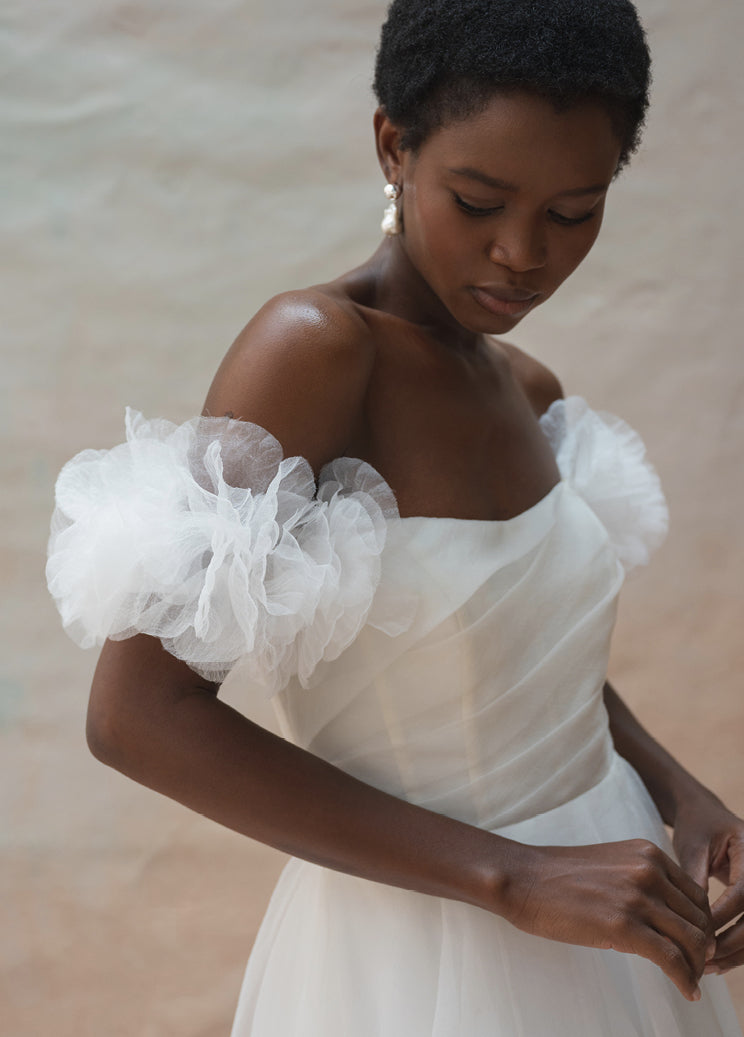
(520,136)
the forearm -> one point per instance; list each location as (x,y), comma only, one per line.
(667,781)
(155,720)
(199,751)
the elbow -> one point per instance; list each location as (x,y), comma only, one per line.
(113,725)
(109,722)
(106,735)
(134,698)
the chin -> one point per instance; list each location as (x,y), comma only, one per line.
(479,320)
(488,324)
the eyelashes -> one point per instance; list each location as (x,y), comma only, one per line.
(570,221)
(556,217)
(473,210)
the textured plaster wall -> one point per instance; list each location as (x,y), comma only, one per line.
(165,167)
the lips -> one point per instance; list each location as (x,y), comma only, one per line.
(504,300)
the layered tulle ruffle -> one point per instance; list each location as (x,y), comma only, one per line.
(604,460)
(205,536)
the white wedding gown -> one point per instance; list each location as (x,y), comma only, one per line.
(458,664)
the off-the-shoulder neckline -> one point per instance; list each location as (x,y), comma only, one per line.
(442,519)
(134,418)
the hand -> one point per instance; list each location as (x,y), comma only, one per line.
(628,896)
(709,840)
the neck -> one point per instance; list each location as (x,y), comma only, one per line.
(400,289)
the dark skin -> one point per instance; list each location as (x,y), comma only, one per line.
(395,363)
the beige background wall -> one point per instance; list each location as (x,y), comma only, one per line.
(165,167)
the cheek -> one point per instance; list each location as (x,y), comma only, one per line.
(426,218)
(573,252)
(432,234)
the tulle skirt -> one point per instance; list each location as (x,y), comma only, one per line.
(339,956)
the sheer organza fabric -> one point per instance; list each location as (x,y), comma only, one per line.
(205,536)
(458,664)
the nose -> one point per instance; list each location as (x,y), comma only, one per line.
(518,244)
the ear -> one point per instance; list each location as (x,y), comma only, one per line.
(389,152)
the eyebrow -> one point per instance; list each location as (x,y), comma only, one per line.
(503,185)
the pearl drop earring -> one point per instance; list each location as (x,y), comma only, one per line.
(391,222)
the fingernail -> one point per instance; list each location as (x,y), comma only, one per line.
(696,995)
(710,951)
(711,970)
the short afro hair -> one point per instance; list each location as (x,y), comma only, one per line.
(442,60)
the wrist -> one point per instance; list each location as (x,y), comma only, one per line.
(498,878)
(672,788)
(690,796)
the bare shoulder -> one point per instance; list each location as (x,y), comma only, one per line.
(300,368)
(539,384)
(305,331)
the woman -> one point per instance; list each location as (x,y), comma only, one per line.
(433,617)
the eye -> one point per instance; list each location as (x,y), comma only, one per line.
(569,221)
(474,210)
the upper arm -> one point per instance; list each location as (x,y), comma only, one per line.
(135,685)
(299,369)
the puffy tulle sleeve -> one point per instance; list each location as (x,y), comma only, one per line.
(205,536)
(604,460)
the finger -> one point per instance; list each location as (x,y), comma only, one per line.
(670,959)
(684,909)
(695,862)
(652,860)
(684,882)
(681,905)
(730,941)
(720,966)
(673,905)
(729,905)
(694,943)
